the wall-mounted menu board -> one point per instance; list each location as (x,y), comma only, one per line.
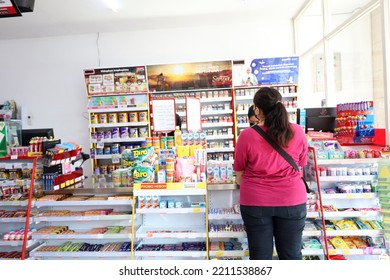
(190,76)
(164,115)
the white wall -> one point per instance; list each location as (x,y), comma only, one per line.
(45,75)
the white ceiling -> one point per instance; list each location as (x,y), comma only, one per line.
(69,17)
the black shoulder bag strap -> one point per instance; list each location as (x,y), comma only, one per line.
(282,152)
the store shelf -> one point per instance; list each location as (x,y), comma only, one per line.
(242,125)
(108,156)
(119,140)
(238,234)
(119,109)
(173,254)
(229,254)
(351,214)
(312,252)
(365,232)
(171,232)
(81,218)
(79,236)
(352,161)
(170,192)
(211,125)
(225,217)
(16,243)
(170,210)
(219,137)
(80,255)
(367,251)
(131,124)
(14,220)
(215,99)
(82,203)
(308,233)
(244,98)
(217,112)
(14,203)
(221,187)
(219,150)
(241,113)
(349,196)
(347,178)
(312,215)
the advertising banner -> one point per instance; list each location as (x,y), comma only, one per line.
(276,71)
(189,76)
(122,80)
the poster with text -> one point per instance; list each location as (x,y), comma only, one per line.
(121,80)
(164,116)
(190,76)
(275,71)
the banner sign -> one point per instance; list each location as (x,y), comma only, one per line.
(190,76)
(274,71)
(122,80)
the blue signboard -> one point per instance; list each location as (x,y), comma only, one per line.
(278,70)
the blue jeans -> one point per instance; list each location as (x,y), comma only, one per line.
(285,224)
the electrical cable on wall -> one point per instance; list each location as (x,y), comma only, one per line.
(97,47)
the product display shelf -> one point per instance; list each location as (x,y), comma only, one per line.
(117,122)
(87,229)
(346,203)
(18,244)
(243,99)
(173,221)
(225,226)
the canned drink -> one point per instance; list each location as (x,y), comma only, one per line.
(149,141)
(94,135)
(163,142)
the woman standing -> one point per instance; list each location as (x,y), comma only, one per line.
(272,193)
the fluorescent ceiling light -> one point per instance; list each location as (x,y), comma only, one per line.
(113,5)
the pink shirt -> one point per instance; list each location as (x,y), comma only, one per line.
(268,179)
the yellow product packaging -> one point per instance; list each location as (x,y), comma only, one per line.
(349,242)
(338,243)
(183,151)
(359,242)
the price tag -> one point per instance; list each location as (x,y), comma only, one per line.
(14,156)
(350,195)
(346,251)
(219,254)
(149,234)
(196,210)
(366,195)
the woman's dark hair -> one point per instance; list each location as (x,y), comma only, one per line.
(268,99)
(251,112)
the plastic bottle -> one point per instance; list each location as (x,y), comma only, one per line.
(177,136)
